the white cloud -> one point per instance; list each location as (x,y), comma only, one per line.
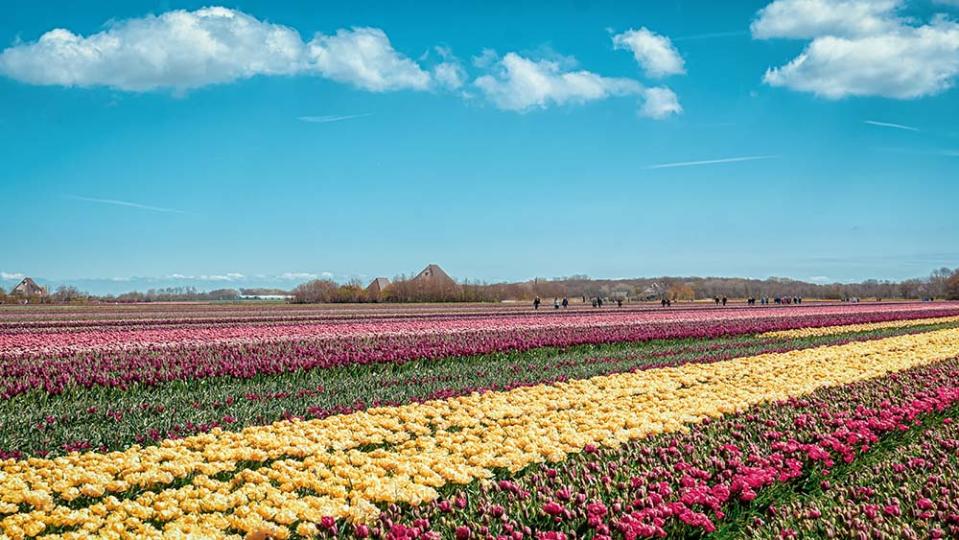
(364,57)
(177,49)
(231,276)
(449,75)
(297,275)
(861,48)
(655,53)
(520,84)
(11,275)
(813,18)
(908,63)
(182,50)
(660,102)
(450,72)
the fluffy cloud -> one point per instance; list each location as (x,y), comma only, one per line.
(365,58)
(655,53)
(178,49)
(449,73)
(861,49)
(189,49)
(517,83)
(812,18)
(660,102)
(520,84)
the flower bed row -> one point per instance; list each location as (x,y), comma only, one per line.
(110,418)
(878,452)
(909,490)
(852,328)
(180,362)
(29,342)
(296,473)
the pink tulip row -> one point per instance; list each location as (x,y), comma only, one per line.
(26,343)
(368,343)
(688,485)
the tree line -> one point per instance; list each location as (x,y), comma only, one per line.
(942,283)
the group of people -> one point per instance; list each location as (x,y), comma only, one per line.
(776,300)
(597,302)
(556,303)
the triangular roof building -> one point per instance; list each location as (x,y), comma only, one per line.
(28,287)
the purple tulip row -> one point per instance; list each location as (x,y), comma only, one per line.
(743,473)
(159,364)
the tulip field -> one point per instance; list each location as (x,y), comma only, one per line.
(480,421)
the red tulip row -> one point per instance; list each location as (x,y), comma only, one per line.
(374,342)
(736,474)
(32,343)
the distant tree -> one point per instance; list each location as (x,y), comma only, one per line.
(223,295)
(952,286)
(680,291)
(316,291)
(65,294)
(937,282)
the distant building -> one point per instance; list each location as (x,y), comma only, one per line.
(28,287)
(377,286)
(435,275)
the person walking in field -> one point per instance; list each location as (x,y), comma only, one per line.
(555,303)
(724,300)
(536,302)
(565,302)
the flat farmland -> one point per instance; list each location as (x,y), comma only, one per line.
(479,421)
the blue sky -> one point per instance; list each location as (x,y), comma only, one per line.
(807,138)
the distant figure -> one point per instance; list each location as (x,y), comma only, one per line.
(594,302)
(536,302)
(584,299)
(599,301)
(565,302)
(663,302)
(716,299)
(619,302)
(724,300)
(555,303)
(669,302)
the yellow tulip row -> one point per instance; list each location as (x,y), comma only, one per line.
(799,333)
(311,469)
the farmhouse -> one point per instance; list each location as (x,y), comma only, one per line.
(28,287)
(434,275)
(377,286)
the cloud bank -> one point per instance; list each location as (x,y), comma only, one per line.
(183,50)
(860,48)
(655,53)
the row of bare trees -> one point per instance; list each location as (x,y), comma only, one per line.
(942,283)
